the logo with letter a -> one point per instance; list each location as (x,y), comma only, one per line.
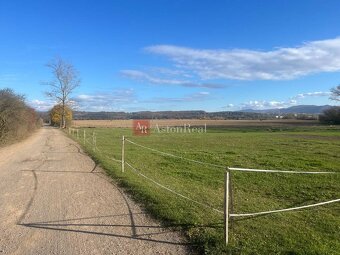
(141,127)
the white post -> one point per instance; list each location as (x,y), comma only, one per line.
(84,137)
(226,206)
(94,148)
(123,156)
(77,133)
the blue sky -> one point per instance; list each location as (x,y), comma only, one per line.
(174,55)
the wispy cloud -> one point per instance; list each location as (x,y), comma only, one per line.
(142,76)
(312,94)
(119,100)
(145,77)
(263,104)
(41,105)
(276,104)
(195,97)
(243,64)
(112,101)
(8,78)
(169,72)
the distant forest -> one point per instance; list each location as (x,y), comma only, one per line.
(184,115)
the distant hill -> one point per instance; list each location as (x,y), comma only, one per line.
(306,109)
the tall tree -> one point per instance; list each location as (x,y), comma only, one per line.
(65,80)
(335,93)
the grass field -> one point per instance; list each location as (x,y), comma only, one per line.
(311,231)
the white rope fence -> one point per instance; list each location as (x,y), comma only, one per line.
(172,191)
(175,156)
(284,210)
(275,171)
(221,166)
(93,144)
(226,213)
(104,155)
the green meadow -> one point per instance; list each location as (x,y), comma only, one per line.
(310,231)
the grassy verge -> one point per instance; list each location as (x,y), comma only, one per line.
(311,231)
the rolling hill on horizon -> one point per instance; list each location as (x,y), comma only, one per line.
(306,109)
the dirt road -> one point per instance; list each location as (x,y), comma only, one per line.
(54,200)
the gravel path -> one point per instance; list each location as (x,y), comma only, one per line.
(54,200)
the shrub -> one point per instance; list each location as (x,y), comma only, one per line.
(331,116)
(17,120)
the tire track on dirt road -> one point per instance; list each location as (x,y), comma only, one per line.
(56,200)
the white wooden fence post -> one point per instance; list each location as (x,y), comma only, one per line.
(93,134)
(84,137)
(123,156)
(226,206)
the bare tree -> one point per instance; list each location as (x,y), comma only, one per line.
(335,93)
(65,81)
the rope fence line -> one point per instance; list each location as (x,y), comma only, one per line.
(174,156)
(95,147)
(104,155)
(275,171)
(226,213)
(285,210)
(230,168)
(172,191)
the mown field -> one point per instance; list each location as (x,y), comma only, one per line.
(310,231)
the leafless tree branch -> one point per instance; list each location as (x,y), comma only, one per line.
(335,93)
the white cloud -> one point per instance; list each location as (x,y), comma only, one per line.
(118,100)
(274,104)
(243,64)
(263,104)
(145,77)
(142,76)
(169,72)
(41,105)
(312,94)
(112,101)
